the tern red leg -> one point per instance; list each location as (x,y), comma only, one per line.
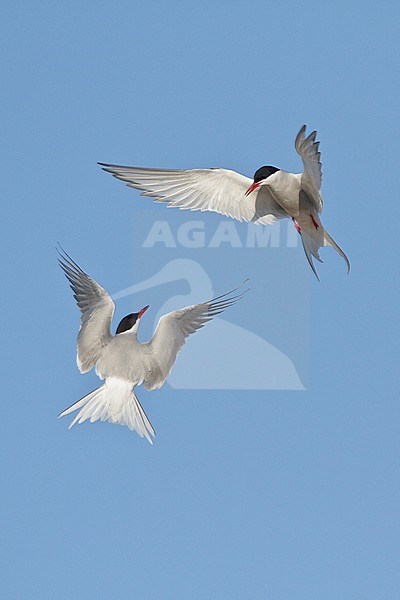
(314,222)
(297,226)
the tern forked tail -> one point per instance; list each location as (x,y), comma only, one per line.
(114,402)
(313,237)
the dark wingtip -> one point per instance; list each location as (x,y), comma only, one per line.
(107,168)
(60,250)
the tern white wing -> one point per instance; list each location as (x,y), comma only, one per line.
(97,310)
(311,179)
(215,190)
(171,333)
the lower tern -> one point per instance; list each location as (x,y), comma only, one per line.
(120,359)
(272,194)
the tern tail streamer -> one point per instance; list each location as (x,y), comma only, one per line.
(114,402)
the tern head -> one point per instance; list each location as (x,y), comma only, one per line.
(260,177)
(131,321)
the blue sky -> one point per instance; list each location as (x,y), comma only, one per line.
(245,494)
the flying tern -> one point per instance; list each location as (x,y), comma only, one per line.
(121,360)
(272,194)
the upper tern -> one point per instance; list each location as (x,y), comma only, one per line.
(272,194)
(120,359)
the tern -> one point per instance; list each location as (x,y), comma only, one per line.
(272,194)
(121,360)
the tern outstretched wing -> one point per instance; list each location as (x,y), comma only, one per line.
(311,180)
(171,333)
(97,310)
(216,190)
